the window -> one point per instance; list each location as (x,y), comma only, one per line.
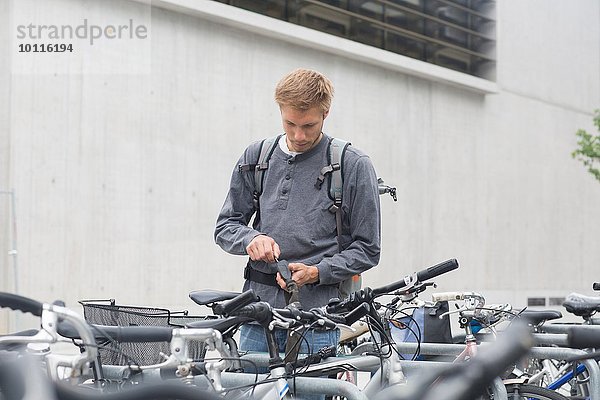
(456,34)
(536,301)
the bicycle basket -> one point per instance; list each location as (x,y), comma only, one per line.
(107,312)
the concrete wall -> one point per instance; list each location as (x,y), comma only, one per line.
(4,157)
(119,177)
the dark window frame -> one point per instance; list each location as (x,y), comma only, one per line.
(455,34)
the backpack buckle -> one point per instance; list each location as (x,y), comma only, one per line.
(246,167)
(324,171)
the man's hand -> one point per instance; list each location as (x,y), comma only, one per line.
(303,274)
(280,281)
(263,248)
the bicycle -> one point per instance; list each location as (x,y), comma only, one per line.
(469,380)
(236,384)
(50,314)
(569,377)
(387,369)
(84,370)
(475,317)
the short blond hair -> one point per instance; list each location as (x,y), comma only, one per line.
(304,89)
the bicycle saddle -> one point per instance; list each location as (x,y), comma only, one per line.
(581,305)
(208,296)
(537,317)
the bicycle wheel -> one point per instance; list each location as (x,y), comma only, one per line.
(518,391)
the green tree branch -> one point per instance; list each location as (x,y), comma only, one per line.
(589,148)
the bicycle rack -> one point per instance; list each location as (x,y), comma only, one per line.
(557,353)
(373,364)
(303,385)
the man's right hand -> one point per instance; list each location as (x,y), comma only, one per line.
(263,248)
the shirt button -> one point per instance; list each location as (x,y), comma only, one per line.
(284,191)
(287,177)
(290,161)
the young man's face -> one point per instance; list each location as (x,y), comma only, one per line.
(302,127)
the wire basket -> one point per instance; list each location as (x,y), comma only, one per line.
(107,312)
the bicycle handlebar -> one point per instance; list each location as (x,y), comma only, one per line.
(263,313)
(423,275)
(321,312)
(260,312)
(438,269)
(124,334)
(243,299)
(358,313)
(447,296)
(50,315)
(367,294)
(20,303)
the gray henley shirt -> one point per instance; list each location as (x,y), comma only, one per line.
(295,213)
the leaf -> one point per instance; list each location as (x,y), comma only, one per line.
(589,148)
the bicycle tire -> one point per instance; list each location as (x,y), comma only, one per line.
(518,391)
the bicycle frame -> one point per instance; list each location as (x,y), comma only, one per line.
(50,316)
(566,377)
(550,375)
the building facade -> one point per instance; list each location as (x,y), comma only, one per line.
(118,175)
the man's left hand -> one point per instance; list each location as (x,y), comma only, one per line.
(303,274)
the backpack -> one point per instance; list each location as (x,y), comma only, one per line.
(336,149)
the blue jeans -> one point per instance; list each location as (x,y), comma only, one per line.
(252,338)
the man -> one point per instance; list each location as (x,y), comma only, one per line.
(293,221)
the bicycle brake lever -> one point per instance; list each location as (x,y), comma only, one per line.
(458,310)
(282,322)
(279,324)
(474,302)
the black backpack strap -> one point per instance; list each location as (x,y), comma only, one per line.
(266,151)
(335,157)
(267,147)
(336,149)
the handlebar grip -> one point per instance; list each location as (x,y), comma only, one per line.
(260,312)
(422,276)
(596,286)
(582,337)
(357,313)
(16,302)
(328,324)
(447,296)
(436,270)
(123,334)
(227,307)
(327,351)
